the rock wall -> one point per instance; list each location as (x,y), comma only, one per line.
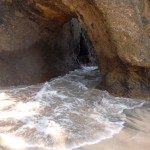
(30,53)
(119,31)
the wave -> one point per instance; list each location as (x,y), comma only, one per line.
(65,113)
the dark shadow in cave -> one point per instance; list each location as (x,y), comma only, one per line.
(87,55)
(34,54)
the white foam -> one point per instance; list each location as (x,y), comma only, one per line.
(89,68)
(63,113)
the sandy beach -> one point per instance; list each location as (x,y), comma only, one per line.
(134,136)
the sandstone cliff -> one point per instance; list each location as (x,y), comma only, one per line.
(118,29)
(29,51)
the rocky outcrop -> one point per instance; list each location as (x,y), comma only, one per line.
(30,53)
(119,31)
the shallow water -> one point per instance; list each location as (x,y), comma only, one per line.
(134,135)
(64,113)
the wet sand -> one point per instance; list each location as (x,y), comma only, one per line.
(134,136)
(67,112)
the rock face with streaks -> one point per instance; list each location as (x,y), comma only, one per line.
(120,33)
(29,51)
(118,29)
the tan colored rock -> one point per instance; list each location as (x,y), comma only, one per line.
(118,29)
(29,52)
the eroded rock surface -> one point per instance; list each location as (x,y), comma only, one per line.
(29,52)
(118,29)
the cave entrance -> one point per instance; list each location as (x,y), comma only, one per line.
(37,54)
(86,55)
(68,48)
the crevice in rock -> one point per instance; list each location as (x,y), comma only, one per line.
(86,55)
